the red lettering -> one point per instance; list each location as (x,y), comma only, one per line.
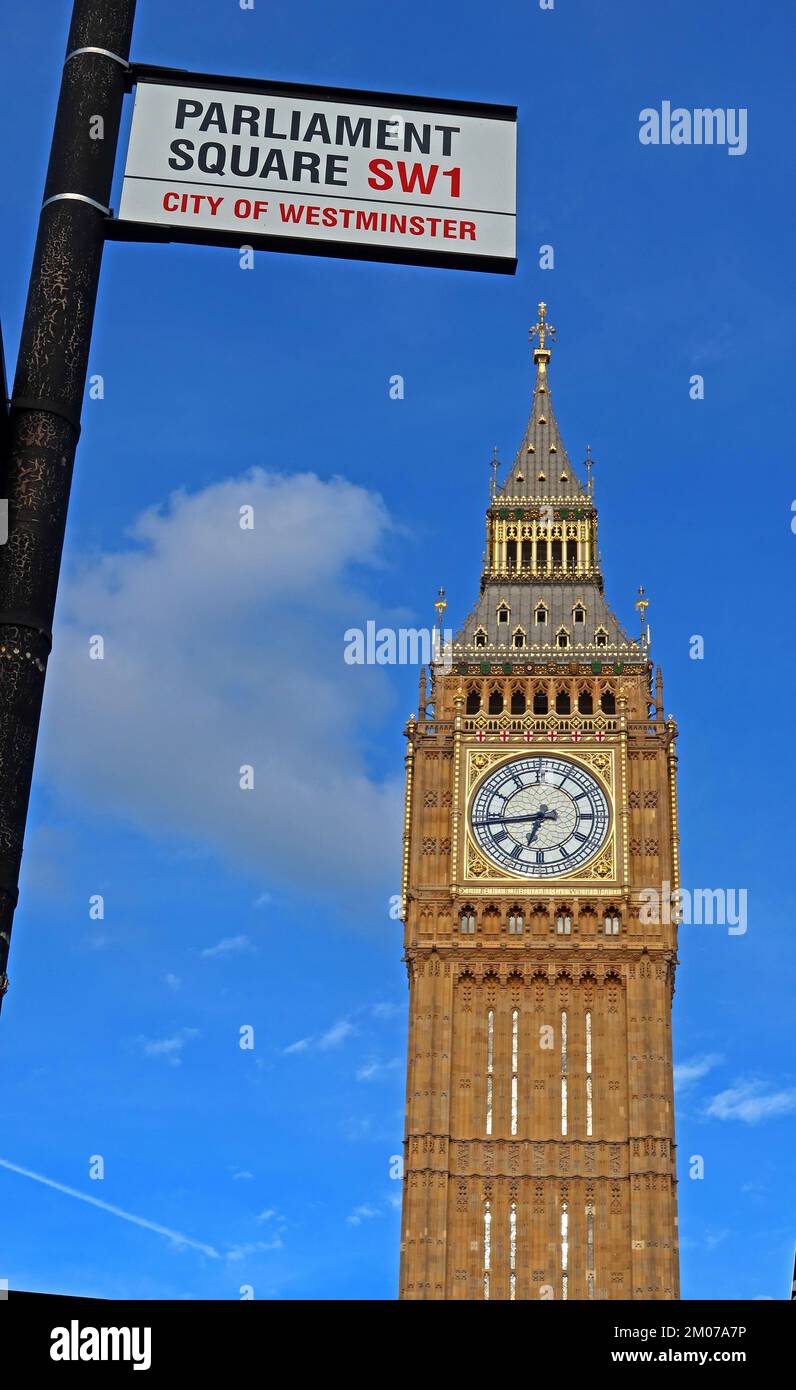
(455,176)
(467,232)
(382,168)
(416,175)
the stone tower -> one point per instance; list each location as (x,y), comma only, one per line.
(540,811)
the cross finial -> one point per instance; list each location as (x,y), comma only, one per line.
(493,464)
(440,605)
(589,467)
(541,329)
(642,605)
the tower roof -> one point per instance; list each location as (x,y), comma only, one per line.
(542,590)
(542,469)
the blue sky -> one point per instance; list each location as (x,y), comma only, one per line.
(270,387)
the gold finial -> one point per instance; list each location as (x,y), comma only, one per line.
(541,329)
(642,605)
(589,467)
(494,462)
(440,605)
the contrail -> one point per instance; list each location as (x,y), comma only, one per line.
(115,1211)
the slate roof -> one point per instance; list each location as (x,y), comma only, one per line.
(542,452)
(542,468)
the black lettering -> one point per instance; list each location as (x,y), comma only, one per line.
(180,148)
(214,116)
(348,133)
(205,157)
(186,108)
(336,164)
(447,132)
(245,115)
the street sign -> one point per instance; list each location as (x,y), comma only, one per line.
(231,162)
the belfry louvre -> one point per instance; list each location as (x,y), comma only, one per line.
(540,804)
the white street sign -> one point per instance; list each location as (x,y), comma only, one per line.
(337,173)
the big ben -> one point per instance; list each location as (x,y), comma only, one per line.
(540,811)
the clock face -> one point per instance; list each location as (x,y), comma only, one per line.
(540,817)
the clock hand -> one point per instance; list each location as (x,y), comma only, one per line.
(507,820)
(538,816)
(542,814)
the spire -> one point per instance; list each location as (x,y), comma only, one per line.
(542,469)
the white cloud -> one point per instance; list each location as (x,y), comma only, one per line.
(176,1237)
(224,647)
(302,1045)
(173,981)
(336,1035)
(253,1247)
(170,1048)
(229,945)
(362,1213)
(687,1073)
(374,1070)
(386,1010)
(751,1102)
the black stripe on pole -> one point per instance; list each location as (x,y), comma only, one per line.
(48,397)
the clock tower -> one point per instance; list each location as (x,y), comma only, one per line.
(541,811)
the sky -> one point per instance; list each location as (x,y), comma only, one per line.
(270,1168)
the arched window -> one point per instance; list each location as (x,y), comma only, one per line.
(541,613)
(540,701)
(490,1066)
(579,613)
(572,554)
(589,1088)
(562,637)
(480,638)
(564,923)
(608,702)
(541,555)
(515,1068)
(517,702)
(503,614)
(526,555)
(487,1246)
(563,702)
(467,921)
(515,921)
(495,702)
(473,704)
(564,1250)
(518,640)
(585,702)
(557,549)
(564,1097)
(601,637)
(612,922)
(590,1249)
(511,555)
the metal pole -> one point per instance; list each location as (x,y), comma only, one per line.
(48,397)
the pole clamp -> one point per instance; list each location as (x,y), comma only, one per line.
(77,198)
(31,622)
(48,407)
(102,52)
